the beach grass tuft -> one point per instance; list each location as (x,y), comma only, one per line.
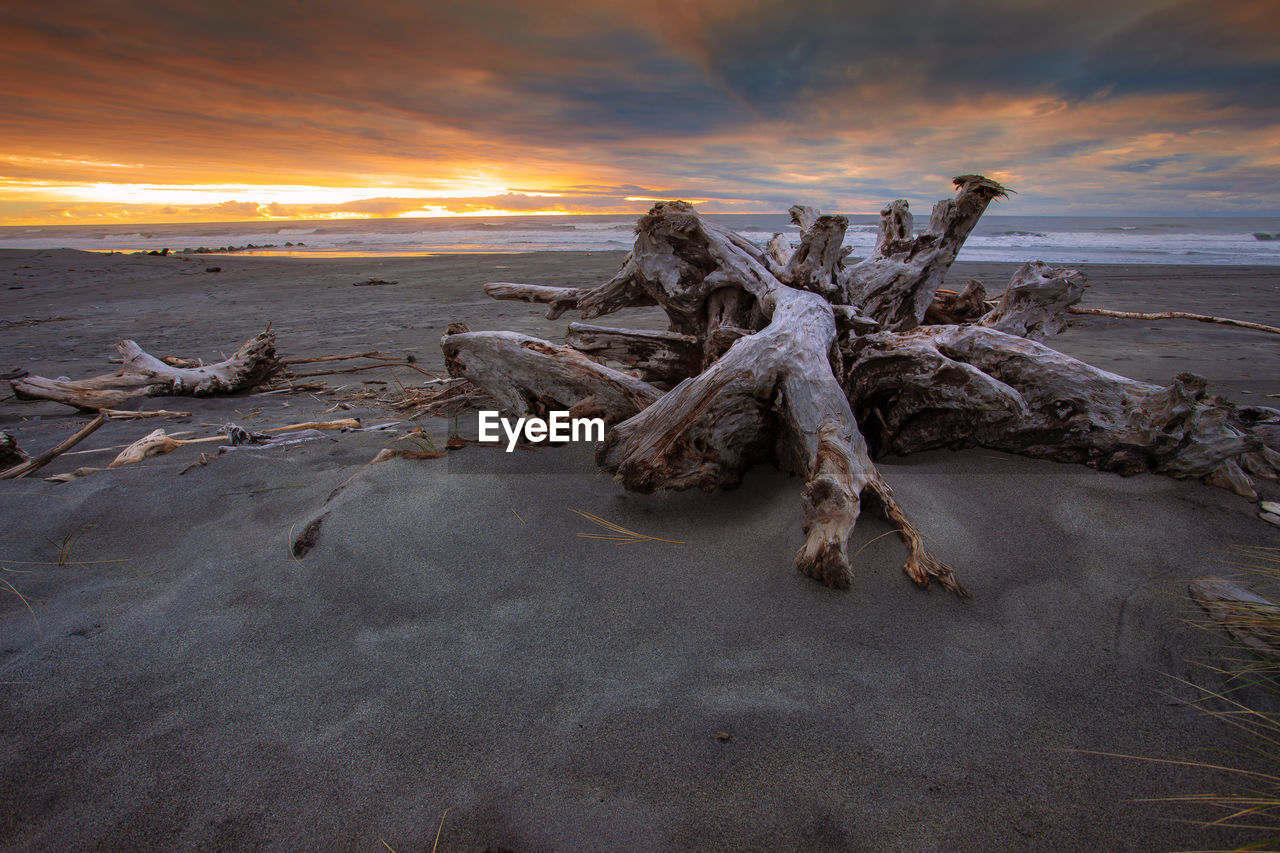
(1247,702)
(14,590)
(617,533)
(66,545)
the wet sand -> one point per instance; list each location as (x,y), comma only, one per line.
(451,643)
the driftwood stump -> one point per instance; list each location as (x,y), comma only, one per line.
(144,375)
(801,359)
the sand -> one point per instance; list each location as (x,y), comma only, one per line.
(451,649)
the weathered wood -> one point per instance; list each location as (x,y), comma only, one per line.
(962,386)
(1249,618)
(144,375)
(771,394)
(530,376)
(560,299)
(963,307)
(10,453)
(895,284)
(1173,315)
(660,357)
(35,463)
(797,358)
(1035,301)
(818,260)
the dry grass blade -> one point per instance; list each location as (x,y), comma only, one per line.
(27,604)
(439,828)
(619,534)
(1250,678)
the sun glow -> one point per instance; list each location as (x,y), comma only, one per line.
(195,194)
(25,201)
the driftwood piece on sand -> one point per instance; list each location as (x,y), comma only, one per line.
(896,283)
(964,386)
(1035,301)
(144,375)
(10,453)
(1249,618)
(660,357)
(948,306)
(1173,315)
(795,358)
(35,463)
(529,375)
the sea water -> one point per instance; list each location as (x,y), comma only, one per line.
(1054,239)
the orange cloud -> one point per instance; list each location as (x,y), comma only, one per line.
(115,111)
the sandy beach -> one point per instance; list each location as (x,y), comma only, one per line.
(452,656)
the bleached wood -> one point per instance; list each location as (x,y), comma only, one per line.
(1246,616)
(771,390)
(663,357)
(37,462)
(526,375)
(1173,315)
(959,386)
(144,375)
(897,281)
(1035,301)
(797,358)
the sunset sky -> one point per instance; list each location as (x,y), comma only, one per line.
(133,111)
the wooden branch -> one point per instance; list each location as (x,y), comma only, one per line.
(896,283)
(381,365)
(142,374)
(950,307)
(1172,315)
(561,299)
(960,386)
(797,358)
(1033,304)
(10,453)
(35,463)
(661,357)
(818,261)
(531,376)
(1246,616)
(370,354)
(770,389)
(130,415)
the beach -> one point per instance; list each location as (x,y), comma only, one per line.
(451,656)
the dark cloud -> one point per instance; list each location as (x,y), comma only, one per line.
(737,100)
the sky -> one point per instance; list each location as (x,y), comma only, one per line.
(133,111)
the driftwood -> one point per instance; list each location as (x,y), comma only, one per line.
(1173,315)
(35,463)
(816,365)
(1249,618)
(10,453)
(144,375)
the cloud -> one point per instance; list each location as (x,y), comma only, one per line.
(754,103)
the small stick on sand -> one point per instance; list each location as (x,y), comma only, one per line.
(126,415)
(381,364)
(37,462)
(343,423)
(1173,315)
(316,360)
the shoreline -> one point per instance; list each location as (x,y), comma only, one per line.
(182,679)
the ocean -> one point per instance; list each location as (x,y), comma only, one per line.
(1054,239)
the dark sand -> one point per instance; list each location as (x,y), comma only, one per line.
(436,652)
